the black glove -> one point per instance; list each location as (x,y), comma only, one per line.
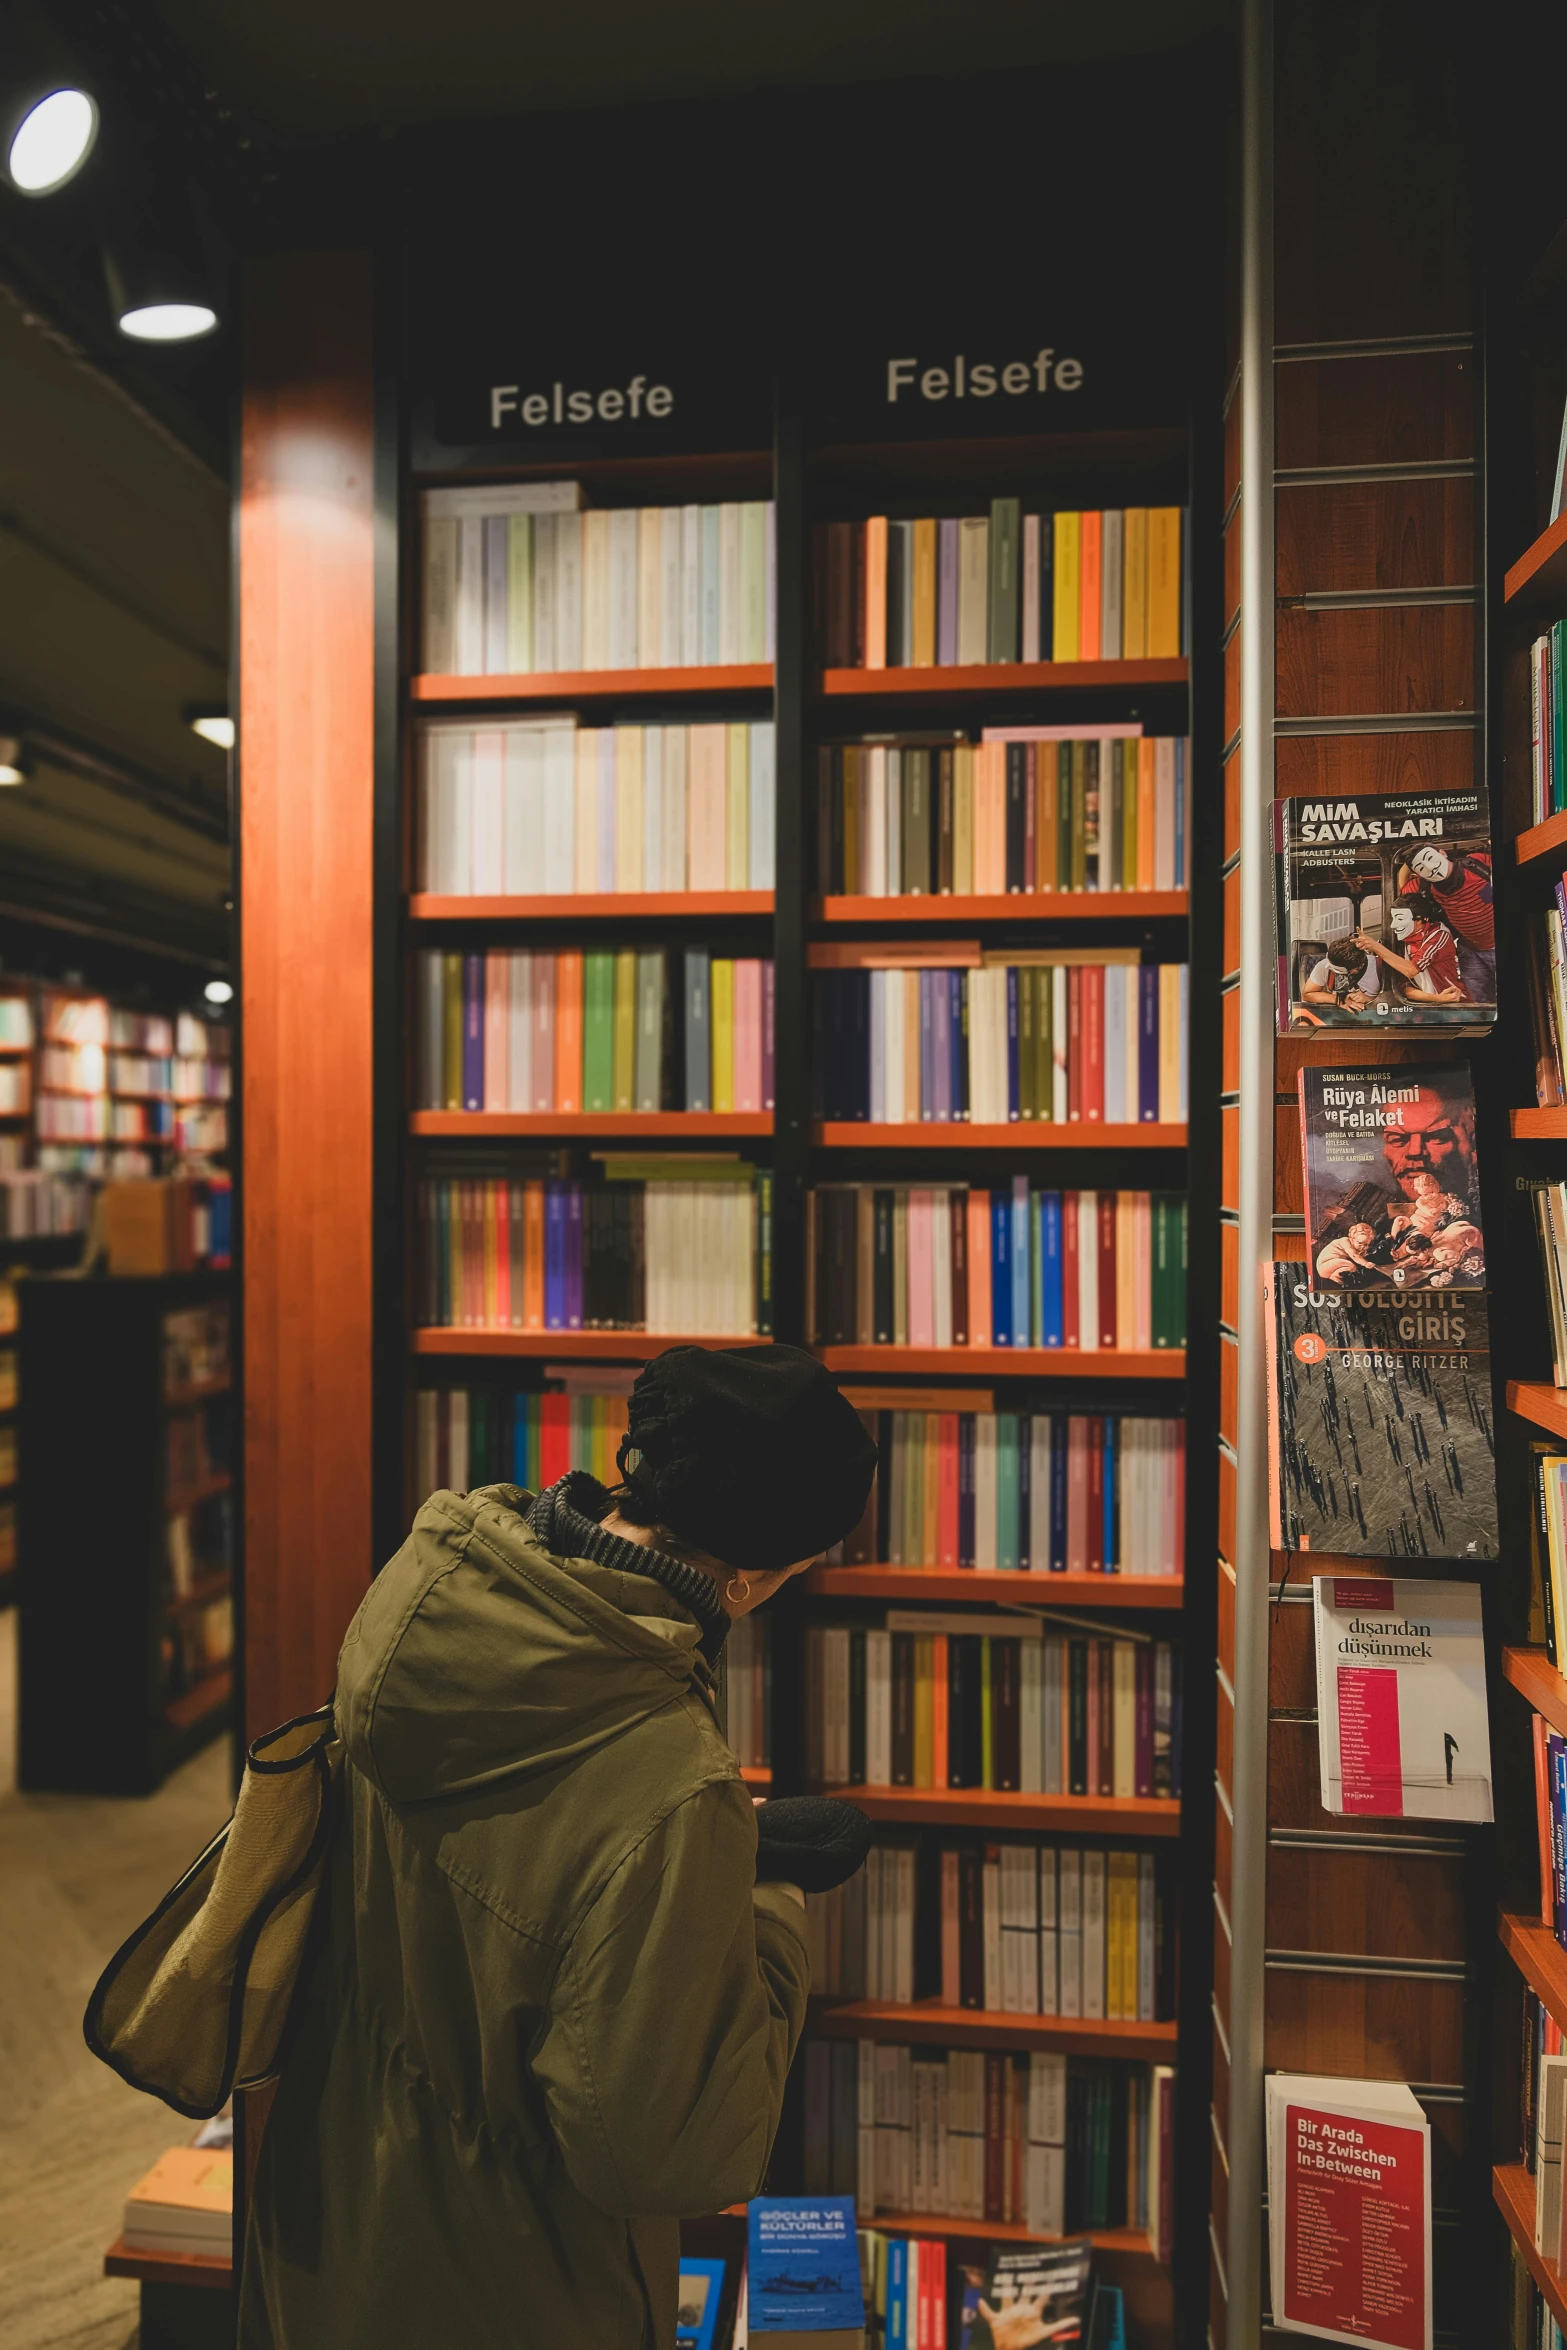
(810,1841)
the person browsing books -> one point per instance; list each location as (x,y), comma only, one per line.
(562,1969)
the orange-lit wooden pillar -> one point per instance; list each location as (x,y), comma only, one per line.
(306,541)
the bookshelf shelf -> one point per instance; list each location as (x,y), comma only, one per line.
(1513,2186)
(996,1588)
(608,906)
(1016,1362)
(990,1807)
(1029,1134)
(169,2268)
(1131,2241)
(1533,1400)
(1537,1124)
(1539,1958)
(583,685)
(1042,905)
(605,1346)
(756,1774)
(1542,840)
(927,2022)
(1540,574)
(646,1123)
(1004,677)
(1532,1673)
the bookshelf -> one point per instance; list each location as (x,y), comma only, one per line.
(595,685)
(1003,678)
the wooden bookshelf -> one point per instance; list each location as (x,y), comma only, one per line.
(1538,1125)
(1028,1134)
(1009,1362)
(756,1774)
(214,2270)
(1512,2184)
(1005,677)
(203,1699)
(645,1125)
(997,1588)
(1133,2242)
(606,906)
(603,1346)
(991,1807)
(1539,1958)
(1542,840)
(1533,1400)
(202,1592)
(593,685)
(188,1496)
(1540,574)
(183,1399)
(1041,905)
(928,2023)
(1532,1673)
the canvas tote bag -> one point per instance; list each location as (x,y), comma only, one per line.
(196,2003)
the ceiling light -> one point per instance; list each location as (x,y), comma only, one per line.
(168,322)
(218,991)
(213,725)
(15,759)
(160,290)
(52,141)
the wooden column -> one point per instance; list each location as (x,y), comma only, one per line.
(306,727)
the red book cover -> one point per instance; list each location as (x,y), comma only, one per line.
(1104,1672)
(1107,1269)
(1070,1333)
(554,1437)
(947,1498)
(925,2323)
(1093,1018)
(1074,1041)
(1090,586)
(938,1710)
(933,2260)
(957,1220)
(1354,2262)
(995,2094)
(1030,817)
(1077,1495)
(1094,1531)
(1142,1755)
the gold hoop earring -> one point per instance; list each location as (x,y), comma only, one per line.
(737,1588)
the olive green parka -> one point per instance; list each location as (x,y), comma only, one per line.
(552,2011)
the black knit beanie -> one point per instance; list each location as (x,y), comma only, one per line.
(747,1452)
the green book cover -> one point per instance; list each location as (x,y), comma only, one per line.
(1131,847)
(650,1029)
(598,1032)
(1159,1285)
(451,1031)
(1044,1055)
(1027,1057)
(625,1060)
(764,1252)
(1005,601)
(986,1713)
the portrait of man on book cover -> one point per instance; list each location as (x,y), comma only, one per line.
(1391,1183)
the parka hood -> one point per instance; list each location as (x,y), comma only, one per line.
(479,1656)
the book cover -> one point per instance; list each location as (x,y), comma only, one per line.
(1032,2292)
(1392,1189)
(1340,2269)
(696,2310)
(1384,913)
(1380,1422)
(1402,1727)
(803,2270)
(184,2204)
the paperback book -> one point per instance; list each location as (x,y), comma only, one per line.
(1384,913)
(1391,1178)
(803,2272)
(1402,1726)
(1051,2283)
(1349,2211)
(1379,1422)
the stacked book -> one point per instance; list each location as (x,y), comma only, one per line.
(687,1253)
(1076,1493)
(994,1700)
(1007,586)
(1025,808)
(545,808)
(957,1265)
(1041,2141)
(1057,1034)
(520,578)
(605,1029)
(1007,1928)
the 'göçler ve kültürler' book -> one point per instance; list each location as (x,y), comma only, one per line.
(1384,914)
(1392,1189)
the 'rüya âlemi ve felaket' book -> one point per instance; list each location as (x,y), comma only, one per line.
(1402,1725)
(1391,1178)
(1379,1421)
(1384,914)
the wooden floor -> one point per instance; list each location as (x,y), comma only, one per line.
(76,1873)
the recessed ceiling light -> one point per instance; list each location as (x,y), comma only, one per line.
(218,991)
(52,142)
(214,726)
(15,760)
(168,322)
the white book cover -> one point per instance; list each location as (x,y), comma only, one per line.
(595,588)
(544,561)
(1337,2271)
(1550,2115)
(650,585)
(457,852)
(1069,1932)
(470,596)
(753,582)
(489,803)
(1093,1934)
(893,803)
(690,587)
(763,827)
(873,861)
(677,752)
(729,616)
(621,581)
(1116,1114)
(560,762)
(1402,1724)
(653,847)
(568,592)
(524,821)
(1030,587)
(1058,1032)
(671,586)
(1046,2126)
(502,497)
(770,613)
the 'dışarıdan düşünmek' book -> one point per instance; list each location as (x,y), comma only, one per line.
(1391,1178)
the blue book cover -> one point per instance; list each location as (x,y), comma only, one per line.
(1000,1269)
(957,1046)
(1179,875)
(1022,1332)
(1006,1492)
(574,1257)
(1111,1553)
(1148,1042)
(803,2265)
(1014,1096)
(940,1046)
(699,1034)
(473,1032)
(1051,1325)
(1060,1427)
(898,2294)
(555,1256)
(1556,1747)
(696,2309)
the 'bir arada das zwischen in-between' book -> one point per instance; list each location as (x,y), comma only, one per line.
(1384,912)
(1379,1425)
(1391,1178)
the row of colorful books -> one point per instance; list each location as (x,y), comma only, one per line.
(521,577)
(1547,739)
(947,590)
(1543,2098)
(465,1437)
(1546,965)
(1024,808)
(960,1265)
(1078,1493)
(1548,1552)
(689,1254)
(1047,2142)
(993,1699)
(1006,1928)
(545,808)
(607,1029)
(1549,1202)
(1053,1036)
(1531,2323)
